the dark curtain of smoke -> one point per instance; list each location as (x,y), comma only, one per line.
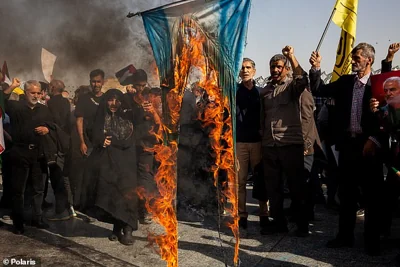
(84,35)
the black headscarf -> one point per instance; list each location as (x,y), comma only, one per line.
(118,125)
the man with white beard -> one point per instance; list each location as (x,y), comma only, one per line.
(29,121)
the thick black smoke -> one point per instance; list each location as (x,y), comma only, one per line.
(84,35)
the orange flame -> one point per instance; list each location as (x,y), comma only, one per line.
(216,114)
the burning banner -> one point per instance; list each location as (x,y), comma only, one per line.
(196,44)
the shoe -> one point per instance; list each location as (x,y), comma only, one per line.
(116,233)
(127,238)
(360,213)
(243,223)
(63,216)
(72,212)
(339,243)
(46,205)
(40,224)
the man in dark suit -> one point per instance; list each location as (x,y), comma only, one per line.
(358,140)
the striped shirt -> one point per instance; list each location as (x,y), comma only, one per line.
(356,106)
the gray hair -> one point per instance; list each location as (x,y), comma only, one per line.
(279,57)
(31,83)
(392,79)
(367,50)
(253,64)
(58,85)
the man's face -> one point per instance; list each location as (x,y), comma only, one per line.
(96,83)
(32,95)
(278,70)
(113,104)
(391,89)
(359,63)
(247,71)
(139,86)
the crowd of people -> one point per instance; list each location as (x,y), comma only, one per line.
(94,150)
(297,129)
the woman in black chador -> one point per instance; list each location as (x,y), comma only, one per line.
(110,179)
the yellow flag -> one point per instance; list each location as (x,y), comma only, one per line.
(346,18)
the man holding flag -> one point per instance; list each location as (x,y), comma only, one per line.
(358,139)
(357,132)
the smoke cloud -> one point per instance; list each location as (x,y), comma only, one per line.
(84,35)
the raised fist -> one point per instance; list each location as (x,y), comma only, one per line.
(288,51)
(393,48)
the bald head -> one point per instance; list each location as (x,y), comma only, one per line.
(56,87)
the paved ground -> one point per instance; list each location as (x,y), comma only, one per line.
(76,243)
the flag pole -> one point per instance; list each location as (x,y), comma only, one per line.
(130,15)
(326,29)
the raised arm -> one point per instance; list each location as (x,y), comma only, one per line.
(317,85)
(300,80)
(387,62)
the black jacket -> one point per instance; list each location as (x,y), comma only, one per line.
(342,91)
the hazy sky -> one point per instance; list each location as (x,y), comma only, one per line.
(300,23)
(96,34)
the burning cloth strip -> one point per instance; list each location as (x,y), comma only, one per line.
(196,42)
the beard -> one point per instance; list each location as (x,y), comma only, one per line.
(33,101)
(358,67)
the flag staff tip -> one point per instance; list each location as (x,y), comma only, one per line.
(130,14)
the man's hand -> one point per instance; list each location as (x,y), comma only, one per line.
(83,149)
(373,104)
(315,60)
(107,141)
(130,89)
(369,148)
(393,48)
(148,107)
(15,83)
(288,51)
(41,130)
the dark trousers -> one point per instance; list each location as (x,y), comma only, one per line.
(390,200)
(357,171)
(26,168)
(59,189)
(6,169)
(310,176)
(145,171)
(287,159)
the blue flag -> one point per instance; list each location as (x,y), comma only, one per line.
(220,24)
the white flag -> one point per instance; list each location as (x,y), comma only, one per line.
(48,60)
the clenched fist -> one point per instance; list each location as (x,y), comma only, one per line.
(288,51)
(393,48)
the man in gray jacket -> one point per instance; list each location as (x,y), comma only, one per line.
(282,141)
